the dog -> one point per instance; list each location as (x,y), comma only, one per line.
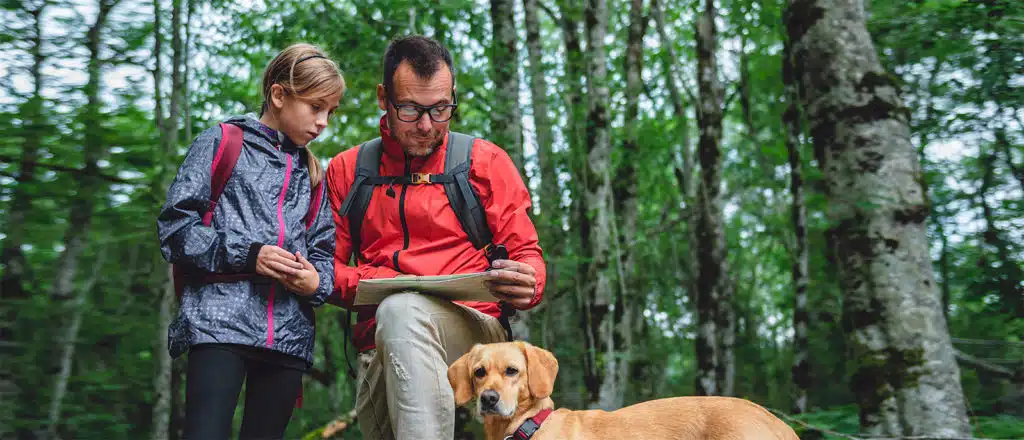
(512,384)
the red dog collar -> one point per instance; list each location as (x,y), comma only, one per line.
(530,426)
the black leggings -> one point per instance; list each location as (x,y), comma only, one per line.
(215,375)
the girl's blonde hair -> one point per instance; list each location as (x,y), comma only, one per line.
(306,72)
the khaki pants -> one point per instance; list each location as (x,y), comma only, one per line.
(403,384)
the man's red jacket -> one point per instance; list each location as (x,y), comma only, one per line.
(432,242)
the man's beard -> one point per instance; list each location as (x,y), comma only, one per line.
(418,149)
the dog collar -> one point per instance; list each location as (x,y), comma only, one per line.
(530,426)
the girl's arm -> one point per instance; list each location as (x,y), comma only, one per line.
(183,238)
(320,242)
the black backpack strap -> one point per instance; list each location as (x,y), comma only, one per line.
(463,199)
(358,198)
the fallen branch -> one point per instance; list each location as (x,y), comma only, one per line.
(339,425)
(1015,376)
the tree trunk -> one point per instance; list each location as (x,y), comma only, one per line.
(12,260)
(89,184)
(626,313)
(792,121)
(66,346)
(907,382)
(88,191)
(163,379)
(505,120)
(11,257)
(601,288)
(549,189)
(715,334)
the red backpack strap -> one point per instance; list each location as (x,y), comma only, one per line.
(223,164)
(314,203)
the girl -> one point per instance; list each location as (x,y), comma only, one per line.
(256,272)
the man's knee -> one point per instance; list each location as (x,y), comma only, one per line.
(405,314)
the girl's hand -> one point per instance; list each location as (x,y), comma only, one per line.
(303,281)
(277,263)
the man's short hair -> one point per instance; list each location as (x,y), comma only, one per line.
(422,53)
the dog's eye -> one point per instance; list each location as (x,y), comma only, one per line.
(511,371)
(480,372)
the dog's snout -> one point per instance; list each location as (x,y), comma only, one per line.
(489,398)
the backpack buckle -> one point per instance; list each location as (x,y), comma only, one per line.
(420,178)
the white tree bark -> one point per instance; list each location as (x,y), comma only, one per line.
(715,317)
(602,283)
(906,381)
(66,345)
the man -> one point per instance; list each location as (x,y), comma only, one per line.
(409,227)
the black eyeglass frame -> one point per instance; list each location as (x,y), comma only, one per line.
(421,109)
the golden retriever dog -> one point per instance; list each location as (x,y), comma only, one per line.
(512,383)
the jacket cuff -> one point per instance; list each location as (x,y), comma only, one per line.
(250,259)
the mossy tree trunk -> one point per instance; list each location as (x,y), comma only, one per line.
(906,381)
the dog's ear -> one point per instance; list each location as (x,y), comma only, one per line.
(542,367)
(458,377)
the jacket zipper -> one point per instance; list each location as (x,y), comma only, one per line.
(401,213)
(280,243)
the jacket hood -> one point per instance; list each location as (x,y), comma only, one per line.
(257,131)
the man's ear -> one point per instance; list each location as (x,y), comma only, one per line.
(382,97)
(459,378)
(542,367)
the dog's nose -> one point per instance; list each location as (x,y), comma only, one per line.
(489,398)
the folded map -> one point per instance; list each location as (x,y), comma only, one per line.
(461,287)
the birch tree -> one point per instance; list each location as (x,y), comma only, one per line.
(906,381)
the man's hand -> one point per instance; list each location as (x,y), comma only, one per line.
(513,282)
(303,281)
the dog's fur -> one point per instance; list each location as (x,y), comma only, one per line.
(524,375)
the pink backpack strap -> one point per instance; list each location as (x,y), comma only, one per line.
(223,164)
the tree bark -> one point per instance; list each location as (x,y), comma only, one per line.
(11,257)
(792,121)
(549,189)
(715,316)
(505,119)
(163,379)
(907,382)
(626,314)
(66,346)
(601,288)
(81,207)
(12,260)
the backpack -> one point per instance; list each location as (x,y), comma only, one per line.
(223,165)
(461,196)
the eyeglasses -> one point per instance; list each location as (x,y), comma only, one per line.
(413,112)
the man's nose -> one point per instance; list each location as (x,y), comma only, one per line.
(489,398)
(424,123)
